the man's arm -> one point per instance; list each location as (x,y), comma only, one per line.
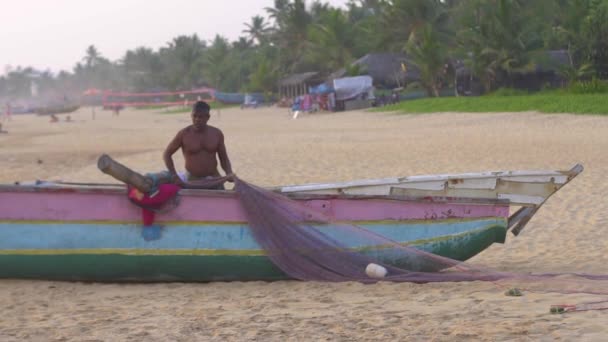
(223,155)
(173,146)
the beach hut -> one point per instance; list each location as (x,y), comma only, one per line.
(545,73)
(388,70)
(298,84)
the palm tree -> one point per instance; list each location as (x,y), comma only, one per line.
(595,29)
(570,20)
(257,30)
(278,11)
(242,44)
(182,60)
(18,82)
(215,62)
(500,38)
(264,78)
(92,57)
(291,30)
(428,52)
(143,68)
(406,16)
(331,41)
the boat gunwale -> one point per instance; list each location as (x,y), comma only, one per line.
(118,189)
(396,181)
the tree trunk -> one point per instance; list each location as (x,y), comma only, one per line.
(435,90)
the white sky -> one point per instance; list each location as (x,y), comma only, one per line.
(53,34)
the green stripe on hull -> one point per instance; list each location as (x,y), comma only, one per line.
(152,268)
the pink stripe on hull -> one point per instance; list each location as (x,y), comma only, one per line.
(75,206)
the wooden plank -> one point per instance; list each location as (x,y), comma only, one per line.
(517,199)
(473,183)
(367,190)
(423,199)
(468,193)
(341,185)
(524,221)
(430,185)
(557,179)
(530,189)
(518,215)
(408,182)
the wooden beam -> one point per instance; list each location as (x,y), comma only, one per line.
(524,221)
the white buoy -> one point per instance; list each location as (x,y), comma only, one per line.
(375,271)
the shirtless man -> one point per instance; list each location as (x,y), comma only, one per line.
(200,143)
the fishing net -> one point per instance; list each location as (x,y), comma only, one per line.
(308,245)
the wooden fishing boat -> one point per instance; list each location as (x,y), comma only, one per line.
(93,233)
(64,109)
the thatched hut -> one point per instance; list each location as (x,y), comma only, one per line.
(544,74)
(298,84)
(388,70)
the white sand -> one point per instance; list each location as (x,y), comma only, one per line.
(267,147)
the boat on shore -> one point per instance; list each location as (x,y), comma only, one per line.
(92,232)
(49,110)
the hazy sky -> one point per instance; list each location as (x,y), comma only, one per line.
(54,34)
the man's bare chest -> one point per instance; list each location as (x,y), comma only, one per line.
(195,143)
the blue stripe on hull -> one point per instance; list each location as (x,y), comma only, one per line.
(30,235)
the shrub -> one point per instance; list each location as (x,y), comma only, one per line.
(508,92)
(593,86)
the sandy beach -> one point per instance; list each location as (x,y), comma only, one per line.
(269,148)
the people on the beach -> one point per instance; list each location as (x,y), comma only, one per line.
(7,112)
(54,118)
(200,144)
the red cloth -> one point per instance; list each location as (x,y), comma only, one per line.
(165,193)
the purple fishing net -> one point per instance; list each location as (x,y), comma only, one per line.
(299,241)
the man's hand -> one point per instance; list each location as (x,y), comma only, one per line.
(177,181)
(230,177)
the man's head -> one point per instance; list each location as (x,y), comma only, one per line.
(200,114)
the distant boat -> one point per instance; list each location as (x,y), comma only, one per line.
(91,232)
(21,110)
(48,110)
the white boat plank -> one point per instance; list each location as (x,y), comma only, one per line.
(380,190)
(558,179)
(522,199)
(530,189)
(460,193)
(430,185)
(341,185)
(472,183)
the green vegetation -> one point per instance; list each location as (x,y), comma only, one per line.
(495,40)
(545,102)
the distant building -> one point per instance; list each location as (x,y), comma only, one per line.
(388,70)
(298,84)
(544,74)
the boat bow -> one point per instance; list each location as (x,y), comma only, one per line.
(526,189)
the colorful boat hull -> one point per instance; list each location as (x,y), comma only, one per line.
(95,234)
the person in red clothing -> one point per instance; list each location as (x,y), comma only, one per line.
(7,112)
